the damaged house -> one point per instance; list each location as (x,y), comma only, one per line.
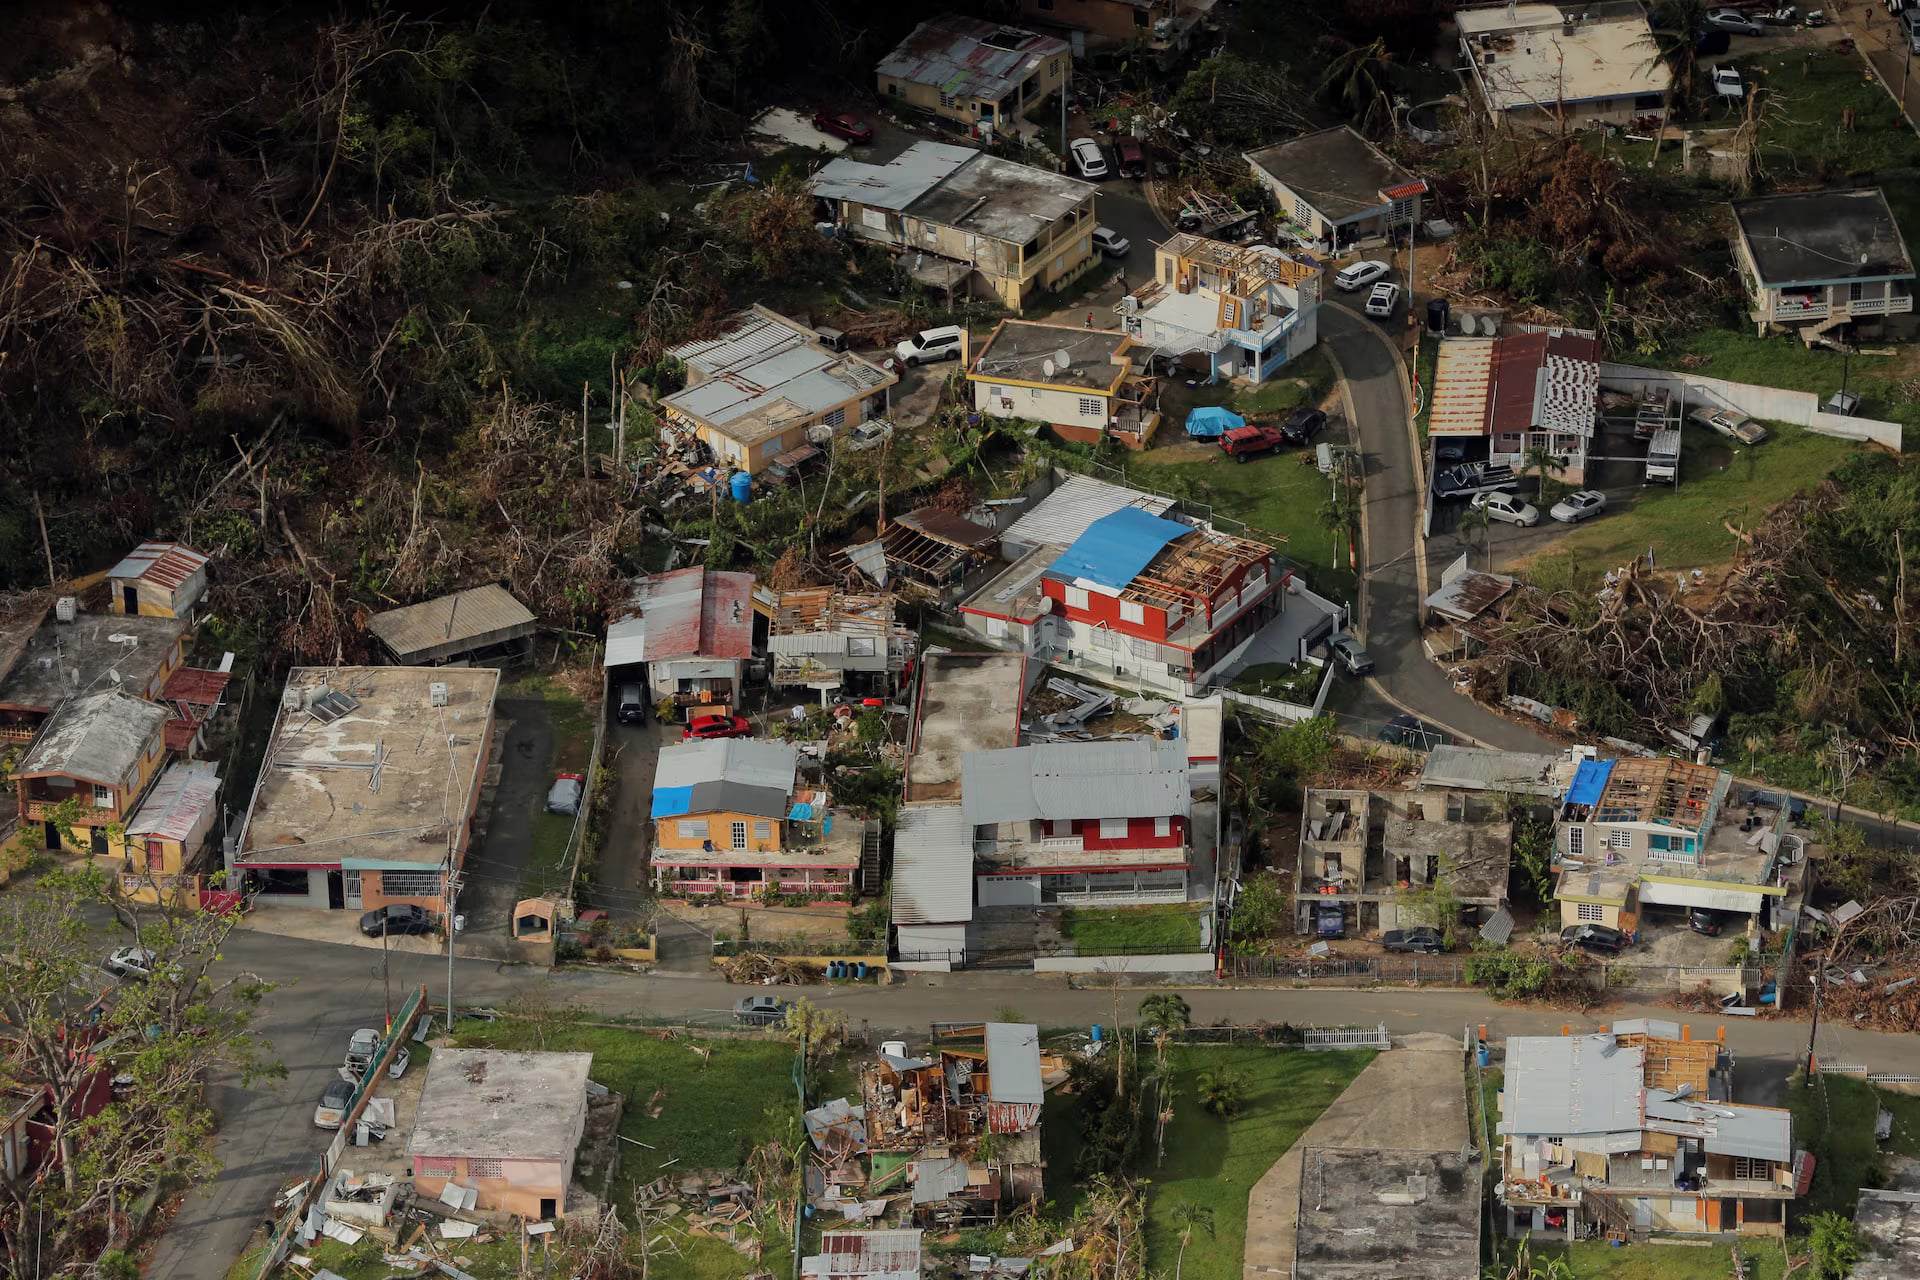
(924,554)
(1368,859)
(819,638)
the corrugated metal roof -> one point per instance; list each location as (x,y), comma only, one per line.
(451,620)
(1124,778)
(767,371)
(932,865)
(895,184)
(1013,1063)
(1462,378)
(1063,515)
(870,1255)
(165,564)
(944,526)
(196,686)
(1733,1129)
(1116,547)
(1498,928)
(969,58)
(1549,381)
(99,737)
(938,1178)
(1570,1085)
(184,794)
(688,613)
(751,762)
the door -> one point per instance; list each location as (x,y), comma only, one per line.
(336,891)
(53,835)
(97,840)
(130,601)
(548,1207)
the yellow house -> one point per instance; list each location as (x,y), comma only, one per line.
(767,385)
(1095,393)
(960,217)
(164,839)
(975,72)
(157,580)
(88,769)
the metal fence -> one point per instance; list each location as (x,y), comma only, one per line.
(1323,1038)
(1410,970)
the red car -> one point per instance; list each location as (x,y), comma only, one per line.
(716,727)
(843,124)
(1251,441)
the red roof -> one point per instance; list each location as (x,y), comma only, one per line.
(166,563)
(196,687)
(690,613)
(178,734)
(1515,403)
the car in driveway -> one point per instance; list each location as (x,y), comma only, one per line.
(1507,509)
(761,1011)
(1110,242)
(843,124)
(1449,453)
(1424,940)
(1347,650)
(131,962)
(870,434)
(1728,84)
(1303,426)
(1383,299)
(396,918)
(331,1112)
(1251,441)
(703,727)
(1576,507)
(1087,159)
(1735,22)
(1734,426)
(1600,939)
(361,1046)
(1131,155)
(1705,922)
(1360,273)
(563,797)
(930,345)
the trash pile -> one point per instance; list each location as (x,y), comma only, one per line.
(718,1206)
(1877,997)
(754,967)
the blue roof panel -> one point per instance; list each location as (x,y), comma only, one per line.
(1115,548)
(670,802)
(1589,781)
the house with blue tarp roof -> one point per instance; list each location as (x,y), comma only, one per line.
(1115,548)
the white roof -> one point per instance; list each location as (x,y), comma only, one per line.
(175,806)
(1572,1085)
(1013,1063)
(766,372)
(1539,60)
(99,737)
(1123,778)
(932,865)
(1063,515)
(751,762)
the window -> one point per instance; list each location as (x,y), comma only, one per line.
(1657,844)
(1092,407)
(1590,912)
(410,884)
(947,100)
(996,629)
(837,418)
(349,881)
(1076,597)
(862,647)
(893,88)
(1113,828)
(1620,840)
(1139,17)
(1749,1167)
(1132,611)
(483,1168)
(1576,841)
(1163,826)
(739,835)
(1054,69)
(763,831)
(692,828)
(1033,393)
(103,797)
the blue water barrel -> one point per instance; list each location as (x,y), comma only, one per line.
(836,968)
(860,970)
(740,486)
(1096,1033)
(1482,1056)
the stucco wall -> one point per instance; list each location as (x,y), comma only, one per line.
(1801,408)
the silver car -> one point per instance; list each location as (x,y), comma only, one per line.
(1576,507)
(1734,426)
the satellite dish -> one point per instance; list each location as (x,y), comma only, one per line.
(1063,359)
(819,433)
(1046,367)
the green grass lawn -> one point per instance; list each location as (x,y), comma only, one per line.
(1736,355)
(1211,1161)
(571,721)
(1295,682)
(1596,1260)
(1802,135)
(1116,931)
(1834,1120)
(1685,526)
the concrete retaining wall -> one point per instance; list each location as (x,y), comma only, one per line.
(1194,962)
(1802,408)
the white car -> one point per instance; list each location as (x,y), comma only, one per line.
(1734,426)
(1087,158)
(1507,509)
(870,434)
(1727,83)
(929,345)
(1381,301)
(1576,507)
(131,962)
(1351,278)
(1110,242)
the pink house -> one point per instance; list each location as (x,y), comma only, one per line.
(504,1126)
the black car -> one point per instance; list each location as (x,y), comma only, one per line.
(1600,939)
(396,919)
(1406,731)
(1302,425)
(1705,922)
(1449,453)
(1422,941)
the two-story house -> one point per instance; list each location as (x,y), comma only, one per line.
(1814,260)
(1368,859)
(689,633)
(1634,1130)
(88,768)
(1091,822)
(1080,382)
(985,75)
(1338,188)
(767,385)
(1657,832)
(1521,392)
(1233,311)
(167,835)
(823,639)
(731,819)
(961,218)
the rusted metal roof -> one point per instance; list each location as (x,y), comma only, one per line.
(175,806)
(1549,381)
(688,613)
(196,687)
(970,58)
(165,564)
(1467,595)
(944,526)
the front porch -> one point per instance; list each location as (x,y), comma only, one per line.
(738,883)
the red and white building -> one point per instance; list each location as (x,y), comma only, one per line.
(1080,822)
(1520,392)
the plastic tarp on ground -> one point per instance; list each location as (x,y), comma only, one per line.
(1589,781)
(1115,548)
(1210,421)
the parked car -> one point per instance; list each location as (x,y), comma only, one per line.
(1407,731)
(1735,22)
(1706,922)
(1131,154)
(361,1046)
(563,797)
(1576,507)
(843,124)
(761,1011)
(870,434)
(1469,478)
(1600,939)
(1424,940)
(702,728)
(786,467)
(1110,242)
(1346,649)
(1087,158)
(1302,425)
(632,706)
(1728,84)
(1351,278)
(930,345)
(131,962)
(396,918)
(1449,453)
(1508,509)
(1254,440)
(1734,426)
(1383,299)
(331,1113)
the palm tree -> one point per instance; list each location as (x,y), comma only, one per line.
(1677,25)
(1526,1267)
(1190,1217)
(1167,1011)
(1222,1089)
(1359,81)
(1539,459)
(1475,517)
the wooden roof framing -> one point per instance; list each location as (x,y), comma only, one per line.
(918,552)
(1193,567)
(1657,790)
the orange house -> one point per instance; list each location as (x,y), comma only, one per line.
(502,1127)
(88,768)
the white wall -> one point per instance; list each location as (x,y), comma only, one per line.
(1196,962)
(1801,408)
(1034,404)
(1009,891)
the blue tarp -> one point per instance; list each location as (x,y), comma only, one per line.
(801,812)
(1210,421)
(1589,780)
(1115,548)
(670,802)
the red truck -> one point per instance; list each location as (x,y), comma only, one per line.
(1251,441)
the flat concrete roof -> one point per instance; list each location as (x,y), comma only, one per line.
(1817,237)
(1335,170)
(1544,55)
(1475,850)
(968,702)
(65,659)
(387,782)
(1367,1213)
(493,1104)
(1029,352)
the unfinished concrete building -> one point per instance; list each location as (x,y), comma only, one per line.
(1368,858)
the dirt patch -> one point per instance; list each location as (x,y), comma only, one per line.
(825,921)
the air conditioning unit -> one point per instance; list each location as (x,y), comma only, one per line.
(437,693)
(66,609)
(290,699)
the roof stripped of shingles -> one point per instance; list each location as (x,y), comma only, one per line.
(166,564)
(1462,379)
(970,58)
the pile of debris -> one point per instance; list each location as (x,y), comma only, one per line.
(1877,997)
(719,1206)
(755,967)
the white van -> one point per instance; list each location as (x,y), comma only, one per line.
(930,345)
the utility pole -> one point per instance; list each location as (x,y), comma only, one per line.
(1067,80)
(386,981)
(1814,1030)
(453,891)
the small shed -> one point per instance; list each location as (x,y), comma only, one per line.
(503,1126)
(157,580)
(479,626)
